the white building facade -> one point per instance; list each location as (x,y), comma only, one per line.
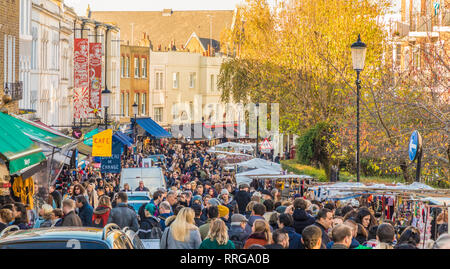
(49,47)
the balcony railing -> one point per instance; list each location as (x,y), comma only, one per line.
(14,89)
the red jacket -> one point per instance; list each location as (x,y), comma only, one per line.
(255,239)
(101,212)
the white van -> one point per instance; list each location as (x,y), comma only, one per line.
(153,178)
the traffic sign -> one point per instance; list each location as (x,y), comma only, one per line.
(265,145)
(415,142)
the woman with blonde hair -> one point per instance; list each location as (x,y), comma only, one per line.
(101,213)
(261,234)
(182,233)
(217,237)
(92,195)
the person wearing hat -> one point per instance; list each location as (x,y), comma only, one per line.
(243,197)
(226,200)
(266,195)
(224,214)
(237,232)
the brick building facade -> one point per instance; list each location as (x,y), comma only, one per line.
(9,56)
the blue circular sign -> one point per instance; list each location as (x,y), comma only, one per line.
(413,146)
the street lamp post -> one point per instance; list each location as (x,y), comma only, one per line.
(358,57)
(257,130)
(106,95)
(135,111)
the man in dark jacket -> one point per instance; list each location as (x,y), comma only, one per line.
(285,222)
(85,211)
(301,218)
(236,233)
(122,215)
(70,217)
(242,198)
(324,221)
(54,198)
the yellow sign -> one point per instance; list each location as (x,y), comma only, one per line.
(102,144)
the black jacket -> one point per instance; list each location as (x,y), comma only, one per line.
(149,228)
(85,214)
(242,198)
(302,220)
(325,238)
(274,246)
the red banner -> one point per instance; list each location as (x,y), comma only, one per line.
(95,77)
(81,79)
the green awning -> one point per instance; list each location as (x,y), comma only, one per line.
(16,147)
(88,137)
(38,133)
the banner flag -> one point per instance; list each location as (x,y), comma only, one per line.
(95,77)
(81,78)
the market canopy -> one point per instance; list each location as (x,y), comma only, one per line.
(153,128)
(260,163)
(246,177)
(123,139)
(42,134)
(16,147)
(88,137)
(235,146)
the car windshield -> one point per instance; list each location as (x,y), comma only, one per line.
(69,244)
(138,198)
(136,206)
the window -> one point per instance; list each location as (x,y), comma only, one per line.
(176,78)
(136,67)
(122,66)
(158,115)
(122,103)
(212,87)
(144,103)
(127,66)
(136,100)
(144,67)
(127,105)
(192,80)
(158,80)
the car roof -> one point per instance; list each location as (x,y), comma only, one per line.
(138,193)
(55,233)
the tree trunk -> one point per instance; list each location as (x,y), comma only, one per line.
(404,168)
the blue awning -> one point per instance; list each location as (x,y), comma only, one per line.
(122,138)
(153,128)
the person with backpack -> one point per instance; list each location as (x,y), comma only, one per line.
(237,233)
(150,227)
(101,213)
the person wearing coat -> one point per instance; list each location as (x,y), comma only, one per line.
(85,211)
(301,218)
(101,213)
(285,223)
(70,217)
(122,215)
(182,233)
(242,198)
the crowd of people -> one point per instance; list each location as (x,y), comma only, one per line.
(203,208)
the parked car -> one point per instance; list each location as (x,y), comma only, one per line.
(137,198)
(110,237)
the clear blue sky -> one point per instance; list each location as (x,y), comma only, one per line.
(80,6)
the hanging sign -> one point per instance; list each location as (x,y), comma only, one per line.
(112,164)
(81,78)
(102,144)
(95,77)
